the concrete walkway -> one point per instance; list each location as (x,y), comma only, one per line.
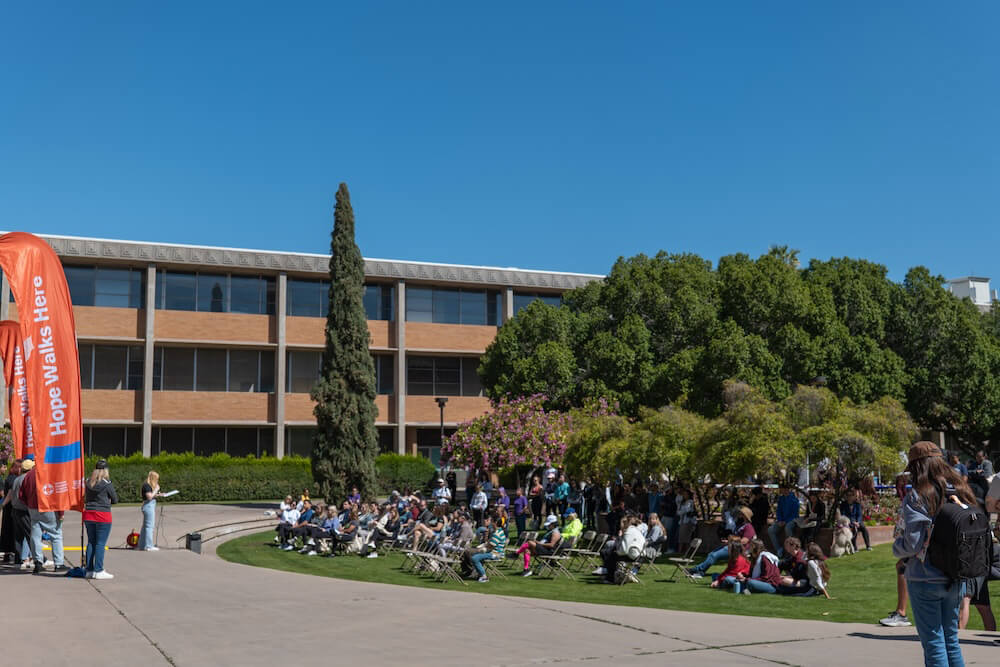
(174,607)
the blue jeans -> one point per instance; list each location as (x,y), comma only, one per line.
(146,536)
(788,530)
(477,561)
(97,538)
(710,559)
(46,522)
(758,586)
(935,613)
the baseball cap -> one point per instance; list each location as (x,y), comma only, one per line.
(923,450)
(551,519)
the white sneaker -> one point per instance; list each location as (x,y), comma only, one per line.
(49,565)
(28,565)
(311,552)
(372,555)
(895,620)
(152,548)
(103,574)
(599,571)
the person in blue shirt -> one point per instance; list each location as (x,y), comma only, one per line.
(786,512)
(958,466)
(562,497)
(851,508)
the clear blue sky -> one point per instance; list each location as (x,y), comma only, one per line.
(554,135)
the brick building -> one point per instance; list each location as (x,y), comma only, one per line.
(203,349)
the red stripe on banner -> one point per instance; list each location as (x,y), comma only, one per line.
(51,366)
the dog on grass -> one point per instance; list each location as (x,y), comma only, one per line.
(842,537)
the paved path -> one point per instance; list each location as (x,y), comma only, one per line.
(174,607)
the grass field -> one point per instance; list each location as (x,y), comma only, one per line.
(863,585)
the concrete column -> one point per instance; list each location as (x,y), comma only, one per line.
(279,367)
(400,394)
(4,315)
(508,304)
(147,369)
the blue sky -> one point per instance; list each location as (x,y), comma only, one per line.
(554,135)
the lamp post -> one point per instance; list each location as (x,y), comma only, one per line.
(441,401)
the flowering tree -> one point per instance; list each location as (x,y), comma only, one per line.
(516,431)
(6,448)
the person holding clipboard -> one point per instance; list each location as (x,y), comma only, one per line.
(149,493)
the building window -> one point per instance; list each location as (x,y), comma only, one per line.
(299,440)
(107,441)
(213,369)
(311,298)
(386,440)
(208,440)
(429,443)
(111,366)
(215,293)
(523,299)
(442,376)
(303,366)
(453,306)
(107,287)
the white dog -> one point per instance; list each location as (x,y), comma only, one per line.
(842,536)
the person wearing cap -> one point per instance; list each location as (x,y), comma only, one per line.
(544,547)
(572,526)
(744,532)
(100,495)
(935,599)
(442,494)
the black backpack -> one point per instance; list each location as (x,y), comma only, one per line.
(961,544)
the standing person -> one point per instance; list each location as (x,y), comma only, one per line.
(149,493)
(8,546)
(561,495)
(816,515)
(785,516)
(51,523)
(668,516)
(851,508)
(760,505)
(520,510)
(442,494)
(687,520)
(934,597)
(503,500)
(22,514)
(99,497)
(478,505)
(536,493)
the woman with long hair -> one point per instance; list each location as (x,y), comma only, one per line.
(935,599)
(100,495)
(737,569)
(536,494)
(149,493)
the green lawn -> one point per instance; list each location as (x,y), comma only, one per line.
(863,585)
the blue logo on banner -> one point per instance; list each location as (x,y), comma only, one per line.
(63,453)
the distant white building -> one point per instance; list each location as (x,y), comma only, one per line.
(976,289)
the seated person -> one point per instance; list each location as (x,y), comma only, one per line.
(817,575)
(324,526)
(630,541)
(786,513)
(574,527)
(656,533)
(386,527)
(309,519)
(544,547)
(287,504)
(349,530)
(764,575)
(793,563)
(744,532)
(432,524)
(494,549)
(286,522)
(737,569)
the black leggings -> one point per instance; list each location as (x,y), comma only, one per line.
(536,509)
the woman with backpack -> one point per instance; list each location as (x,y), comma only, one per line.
(934,596)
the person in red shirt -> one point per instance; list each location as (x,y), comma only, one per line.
(736,571)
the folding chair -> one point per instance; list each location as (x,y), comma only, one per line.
(687,559)
(510,552)
(649,556)
(584,558)
(557,561)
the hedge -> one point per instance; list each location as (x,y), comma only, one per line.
(398,472)
(210,478)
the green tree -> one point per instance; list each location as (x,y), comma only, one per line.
(346,444)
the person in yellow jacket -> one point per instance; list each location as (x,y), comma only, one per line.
(573,527)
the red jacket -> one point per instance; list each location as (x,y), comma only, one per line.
(741,566)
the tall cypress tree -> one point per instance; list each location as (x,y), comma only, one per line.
(345,445)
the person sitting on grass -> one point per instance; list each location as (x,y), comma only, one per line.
(494,550)
(793,563)
(737,569)
(764,575)
(286,521)
(817,576)
(544,547)
(743,531)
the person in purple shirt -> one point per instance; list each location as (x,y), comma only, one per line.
(520,509)
(744,531)
(355,497)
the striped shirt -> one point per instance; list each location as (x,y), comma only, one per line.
(498,540)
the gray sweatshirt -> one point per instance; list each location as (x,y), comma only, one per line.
(910,540)
(101,497)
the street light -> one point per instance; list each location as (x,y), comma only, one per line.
(441,401)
